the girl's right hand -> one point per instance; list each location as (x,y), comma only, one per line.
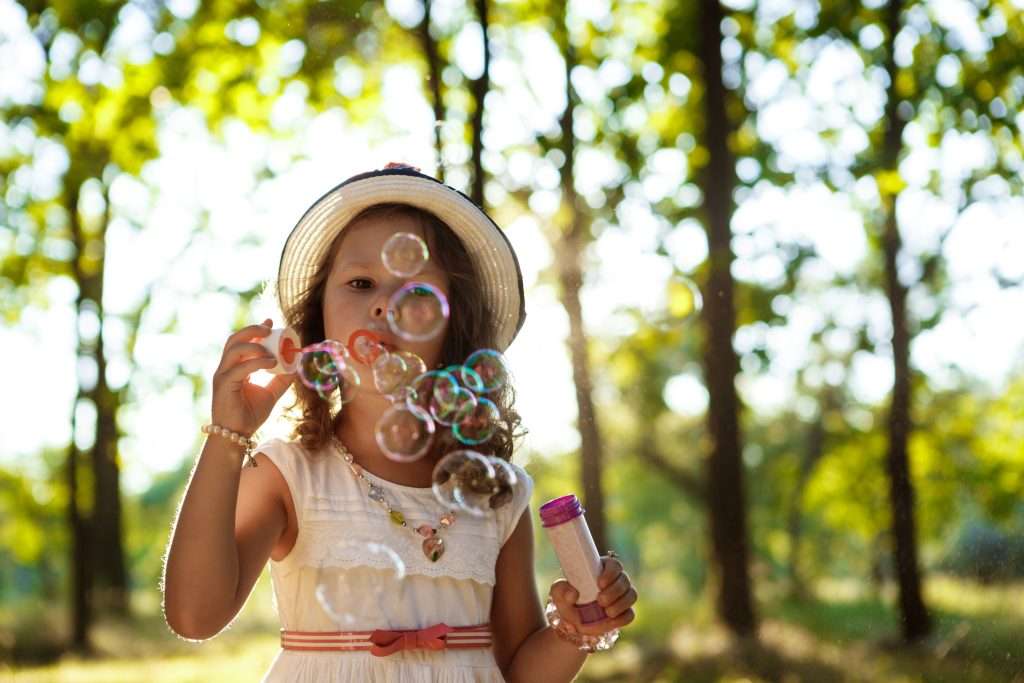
(240,405)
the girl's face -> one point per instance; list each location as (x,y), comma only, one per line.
(358,288)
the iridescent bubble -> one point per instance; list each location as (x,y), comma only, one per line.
(506,481)
(484,371)
(404,254)
(389,373)
(414,367)
(423,389)
(479,425)
(454,406)
(405,432)
(465,479)
(684,298)
(346,597)
(325,367)
(417,312)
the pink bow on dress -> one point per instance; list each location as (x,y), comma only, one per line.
(389,642)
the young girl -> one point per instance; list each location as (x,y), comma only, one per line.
(465,605)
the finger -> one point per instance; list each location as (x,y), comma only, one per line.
(610,624)
(615,591)
(622,604)
(610,570)
(242,351)
(250,332)
(565,596)
(241,371)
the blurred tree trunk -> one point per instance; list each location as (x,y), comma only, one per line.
(481,86)
(80,570)
(727,505)
(432,55)
(109,579)
(573,239)
(111,584)
(915,621)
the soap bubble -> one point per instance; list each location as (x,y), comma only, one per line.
(347,597)
(404,254)
(452,407)
(466,480)
(389,373)
(484,371)
(405,432)
(479,424)
(414,367)
(417,312)
(506,481)
(684,298)
(325,367)
(423,389)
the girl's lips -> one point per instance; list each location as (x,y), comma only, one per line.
(374,339)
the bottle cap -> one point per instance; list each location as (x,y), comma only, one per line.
(560,510)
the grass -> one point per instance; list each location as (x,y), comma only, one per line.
(845,634)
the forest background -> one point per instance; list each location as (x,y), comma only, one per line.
(774,256)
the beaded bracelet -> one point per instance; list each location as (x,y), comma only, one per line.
(247,444)
(567,632)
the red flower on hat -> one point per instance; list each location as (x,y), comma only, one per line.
(399,164)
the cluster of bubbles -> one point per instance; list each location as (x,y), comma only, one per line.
(423,402)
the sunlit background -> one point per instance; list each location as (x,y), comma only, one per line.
(194,232)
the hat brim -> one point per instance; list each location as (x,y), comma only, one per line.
(493,257)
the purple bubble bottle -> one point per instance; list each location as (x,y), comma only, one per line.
(568,532)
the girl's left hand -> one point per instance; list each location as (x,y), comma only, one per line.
(617,595)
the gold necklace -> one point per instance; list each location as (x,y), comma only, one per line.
(432,545)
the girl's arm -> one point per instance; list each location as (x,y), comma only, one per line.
(525,647)
(229,522)
(229,525)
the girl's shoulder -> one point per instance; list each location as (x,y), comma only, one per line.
(508,515)
(306,472)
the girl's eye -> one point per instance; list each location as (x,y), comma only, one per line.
(360,283)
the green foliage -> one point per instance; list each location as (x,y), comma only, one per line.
(32,525)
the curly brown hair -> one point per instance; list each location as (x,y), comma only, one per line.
(470,327)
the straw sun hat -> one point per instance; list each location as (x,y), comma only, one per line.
(496,264)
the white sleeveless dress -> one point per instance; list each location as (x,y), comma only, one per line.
(339,528)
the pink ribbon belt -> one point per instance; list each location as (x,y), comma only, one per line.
(381,643)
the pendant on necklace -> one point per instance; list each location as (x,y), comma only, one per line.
(433,545)
(433,548)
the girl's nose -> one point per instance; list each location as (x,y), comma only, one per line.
(379,307)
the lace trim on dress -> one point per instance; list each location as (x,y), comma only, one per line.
(470,557)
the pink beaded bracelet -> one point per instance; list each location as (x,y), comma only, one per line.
(567,632)
(247,444)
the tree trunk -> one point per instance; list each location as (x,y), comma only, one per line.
(109,581)
(434,76)
(916,622)
(727,507)
(80,573)
(111,576)
(480,88)
(568,253)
